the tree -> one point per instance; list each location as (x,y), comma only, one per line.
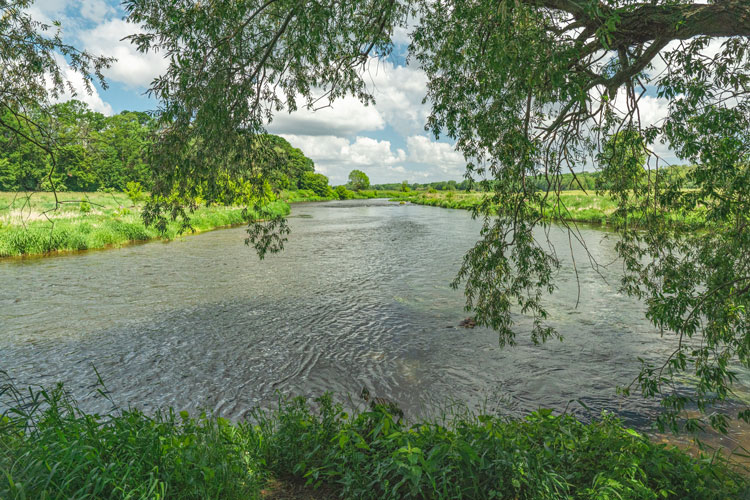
(32,73)
(358,180)
(318,183)
(405,187)
(526,89)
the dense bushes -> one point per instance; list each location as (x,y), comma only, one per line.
(540,457)
(51,449)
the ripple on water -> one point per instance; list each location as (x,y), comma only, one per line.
(360,296)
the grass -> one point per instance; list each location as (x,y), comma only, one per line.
(30,226)
(50,449)
(574,206)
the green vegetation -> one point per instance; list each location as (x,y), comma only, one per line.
(49,448)
(100,153)
(358,180)
(30,225)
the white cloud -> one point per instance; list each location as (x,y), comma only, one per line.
(132,68)
(337,156)
(440,155)
(398,92)
(96,10)
(80,93)
(344,117)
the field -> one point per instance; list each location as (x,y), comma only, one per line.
(30,225)
(573,206)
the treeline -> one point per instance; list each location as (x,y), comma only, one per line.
(94,152)
(589,181)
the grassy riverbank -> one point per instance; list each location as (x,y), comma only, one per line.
(49,448)
(29,225)
(573,206)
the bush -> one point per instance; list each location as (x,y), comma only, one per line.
(342,193)
(49,448)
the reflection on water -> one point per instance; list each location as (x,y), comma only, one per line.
(360,296)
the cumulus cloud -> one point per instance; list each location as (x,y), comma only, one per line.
(440,155)
(93,99)
(132,68)
(344,117)
(337,156)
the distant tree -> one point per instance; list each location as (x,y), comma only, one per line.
(405,186)
(622,162)
(358,180)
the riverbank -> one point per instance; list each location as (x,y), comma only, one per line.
(49,448)
(573,206)
(29,225)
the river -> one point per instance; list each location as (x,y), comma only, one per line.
(360,296)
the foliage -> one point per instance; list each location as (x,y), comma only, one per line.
(50,448)
(318,183)
(31,75)
(92,151)
(358,180)
(134,190)
(405,187)
(342,193)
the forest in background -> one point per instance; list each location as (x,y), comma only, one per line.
(95,152)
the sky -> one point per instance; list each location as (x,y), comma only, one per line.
(386,140)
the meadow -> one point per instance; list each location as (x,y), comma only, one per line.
(30,223)
(573,206)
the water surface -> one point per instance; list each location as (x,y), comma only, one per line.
(360,296)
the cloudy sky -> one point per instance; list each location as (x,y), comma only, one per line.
(387,141)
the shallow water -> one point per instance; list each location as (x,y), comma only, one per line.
(360,296)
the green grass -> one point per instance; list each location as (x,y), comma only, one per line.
(573,206)
(88,221)
(49,448)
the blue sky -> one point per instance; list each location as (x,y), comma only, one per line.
(387,141)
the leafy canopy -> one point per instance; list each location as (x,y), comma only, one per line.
(358,180)
(33,59)
(526,89)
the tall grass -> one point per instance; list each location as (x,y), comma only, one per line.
(50,449)
(91,231)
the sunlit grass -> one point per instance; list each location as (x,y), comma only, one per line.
(30,225)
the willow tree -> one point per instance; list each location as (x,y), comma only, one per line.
(525,88)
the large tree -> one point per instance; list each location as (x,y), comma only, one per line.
(525,88)
(33,63)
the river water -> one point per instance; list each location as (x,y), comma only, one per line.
(359,297)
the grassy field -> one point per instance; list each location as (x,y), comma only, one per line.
(573,206)
(576,206)
(51,449)
(29,225)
